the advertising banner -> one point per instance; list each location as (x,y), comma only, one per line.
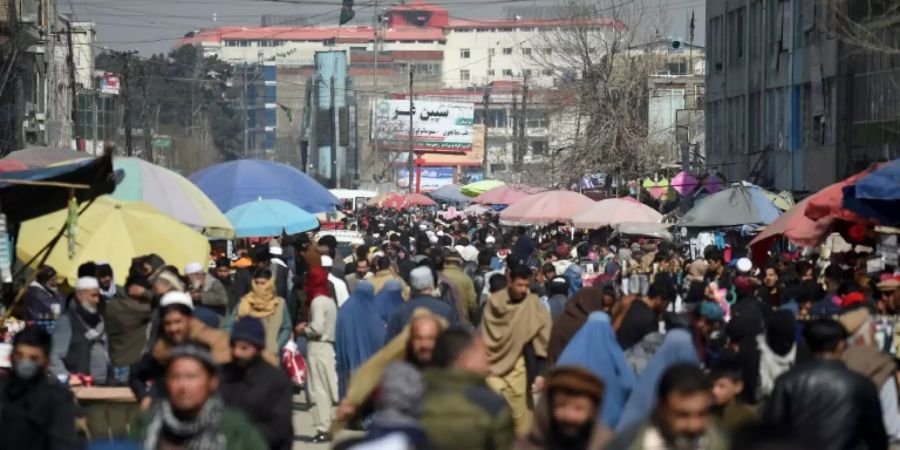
(437,126)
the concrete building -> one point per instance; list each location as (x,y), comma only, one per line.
(789,105)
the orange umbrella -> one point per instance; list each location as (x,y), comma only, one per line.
(546,207)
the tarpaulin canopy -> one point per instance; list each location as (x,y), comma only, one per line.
(450,193)
(737,205)
(419,200)
(172,194)
(234,183)
(546,207)
(270,218)
(613,211)
(877,195)
(32,193)
(655,230)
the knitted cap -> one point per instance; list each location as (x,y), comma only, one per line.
(249,329)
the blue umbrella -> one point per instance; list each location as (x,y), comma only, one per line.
(269,218)
(737,205)
(234,183)
(450,193)
(877,195)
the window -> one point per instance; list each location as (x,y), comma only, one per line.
(464,53)
(526,72)
(537,120)
(507,72)
(547,72)
(538,147)
(490,72)
(547,51)
(464,75)
(496,117)
(526,51)
(507,51)
(526,29)
(492,51)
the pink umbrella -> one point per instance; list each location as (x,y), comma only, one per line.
(11,165)
(419,200)
(614,211)
(506,194)
(546,207)
(684,183)
(712,184)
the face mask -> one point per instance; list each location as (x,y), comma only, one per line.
(26,369)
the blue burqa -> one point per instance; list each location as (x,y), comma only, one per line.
(573,275)
(359,332)
(595,348)
(389,298)
(677,347)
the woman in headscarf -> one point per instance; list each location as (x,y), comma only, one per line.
(582,304)
(595,348)
(359,332)
(262,302)
(777,353)
(389,299)
(573,276)
(677,347)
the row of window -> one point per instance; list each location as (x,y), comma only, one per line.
(466,53)
(466,75)
(492,30)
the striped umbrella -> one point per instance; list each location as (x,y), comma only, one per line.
(172,194)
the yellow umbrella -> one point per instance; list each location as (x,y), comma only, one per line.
(782,200)
(114,231)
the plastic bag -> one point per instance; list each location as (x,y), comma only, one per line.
(293,363)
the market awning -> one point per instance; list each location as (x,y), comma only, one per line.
(32,193)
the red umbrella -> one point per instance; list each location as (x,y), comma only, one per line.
(829,201)
(506,194)
(419,200)
(547,207)
(11,165)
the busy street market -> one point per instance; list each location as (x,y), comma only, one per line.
(249,307)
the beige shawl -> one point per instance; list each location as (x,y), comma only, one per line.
(507,327)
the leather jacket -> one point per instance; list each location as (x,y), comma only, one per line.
(828,406)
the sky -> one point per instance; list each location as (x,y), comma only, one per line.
(153,26)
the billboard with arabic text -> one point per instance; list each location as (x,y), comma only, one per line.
(437,126)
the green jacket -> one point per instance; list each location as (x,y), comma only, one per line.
(465,286)
(240,434)
(457,400)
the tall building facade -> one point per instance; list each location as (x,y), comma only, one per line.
(789,104)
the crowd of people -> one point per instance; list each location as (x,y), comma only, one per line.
(464,334)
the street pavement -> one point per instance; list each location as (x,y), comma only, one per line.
(303,426)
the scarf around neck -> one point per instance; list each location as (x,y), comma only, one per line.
(771,365)
(202,433)
(260,301)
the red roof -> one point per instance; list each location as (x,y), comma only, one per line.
(532,23)
(339,34)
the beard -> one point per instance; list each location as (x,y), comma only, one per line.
(413,358)
(680,441)
(567,437)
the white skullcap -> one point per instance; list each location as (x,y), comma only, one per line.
(193,267)
(376,235)
(87,283)
(433,239)
(420,279)
(176,298)
(276,251)
(440,233)
(489,240)
(744,265)
(422,226)
(327,261)
(429,233)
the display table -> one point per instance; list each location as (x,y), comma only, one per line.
(109,410)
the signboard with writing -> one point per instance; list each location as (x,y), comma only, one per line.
(432,178)
(437,126)
(109,83)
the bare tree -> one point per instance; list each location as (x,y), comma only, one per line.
(599,103)
(868,25)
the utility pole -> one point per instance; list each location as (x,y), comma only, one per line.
(523,121)
(333,137)
(515,127)
(126,94)
(409,157)
(70,61)
(486,101)
(244,109)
